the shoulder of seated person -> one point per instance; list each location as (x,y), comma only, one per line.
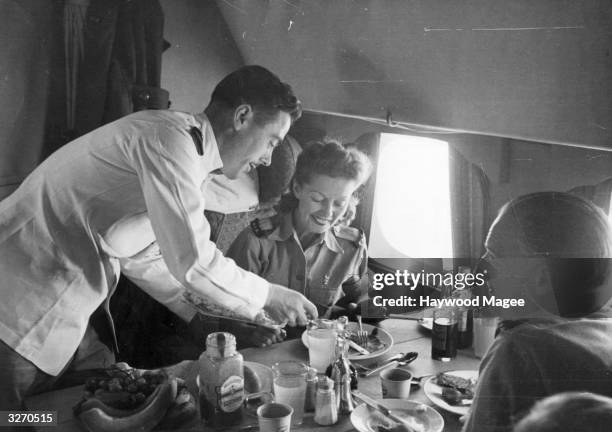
(267,226)
(351,234)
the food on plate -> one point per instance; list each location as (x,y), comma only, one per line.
(373,342)
(134,400)
(456,390)
(410,424)
(252,383)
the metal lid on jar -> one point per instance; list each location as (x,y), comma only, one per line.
(221,344)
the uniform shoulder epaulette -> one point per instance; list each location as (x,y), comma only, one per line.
(265,226)
(198,139)
(351,234)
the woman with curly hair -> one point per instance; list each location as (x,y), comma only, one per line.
(310,248)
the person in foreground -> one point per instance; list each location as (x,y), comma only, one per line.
(102,200)
(553,250)
(569,412)
(310,249)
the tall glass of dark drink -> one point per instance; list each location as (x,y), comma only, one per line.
(444,334)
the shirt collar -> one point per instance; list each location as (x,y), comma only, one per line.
(286,229)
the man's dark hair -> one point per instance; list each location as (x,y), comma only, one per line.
(260,88)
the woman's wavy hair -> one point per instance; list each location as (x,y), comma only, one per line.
(329,158)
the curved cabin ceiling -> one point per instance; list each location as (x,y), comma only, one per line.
(534,70)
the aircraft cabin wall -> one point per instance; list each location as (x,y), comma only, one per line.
(513,167)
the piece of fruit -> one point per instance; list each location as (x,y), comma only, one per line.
(97,416)
(182,410)
(252,383)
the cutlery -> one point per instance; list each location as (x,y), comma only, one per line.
(392,362)
(358,348)
(383,410)
(397,356)
(404,317)
(362,335)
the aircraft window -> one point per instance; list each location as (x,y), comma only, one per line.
(411,215)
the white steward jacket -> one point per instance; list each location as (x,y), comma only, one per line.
(98,200)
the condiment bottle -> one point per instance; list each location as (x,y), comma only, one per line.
(341,366)
(346,405)
(311,390)
(221,381)
(326,411)
(465,316)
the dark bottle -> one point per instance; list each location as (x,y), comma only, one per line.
(465,328)
(341,366)
(465,315)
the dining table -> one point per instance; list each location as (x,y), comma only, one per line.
(409,335)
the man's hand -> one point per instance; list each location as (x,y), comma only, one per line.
(248,335)
(287,306)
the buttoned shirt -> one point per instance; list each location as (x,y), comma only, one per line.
(88,208)
(333,266)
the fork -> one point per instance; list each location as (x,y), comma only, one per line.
(362,335)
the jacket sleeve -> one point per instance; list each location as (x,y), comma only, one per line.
(148,270)
(246,252)
(170,173)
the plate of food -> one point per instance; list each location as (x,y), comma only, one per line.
(379,341)
(417,416)
(452,391)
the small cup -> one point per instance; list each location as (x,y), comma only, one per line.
(395,383)
(274,417)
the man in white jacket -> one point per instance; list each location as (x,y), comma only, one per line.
(106,197)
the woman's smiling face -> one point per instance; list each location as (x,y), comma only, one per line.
(322,202)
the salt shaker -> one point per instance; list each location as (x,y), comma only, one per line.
(326,411)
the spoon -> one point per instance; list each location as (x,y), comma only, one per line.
(403,361)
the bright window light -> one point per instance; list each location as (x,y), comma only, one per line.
(411,215)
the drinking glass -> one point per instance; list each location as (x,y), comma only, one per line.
(444,334)
(484,333)
(321,348)
(290,387)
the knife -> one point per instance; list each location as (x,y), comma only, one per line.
(382,409)
(358,348)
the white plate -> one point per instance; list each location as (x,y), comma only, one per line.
(434,391)
(383,335)
(423,418)
(264,373)
(426,323)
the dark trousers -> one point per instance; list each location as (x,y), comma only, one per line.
(20,378)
